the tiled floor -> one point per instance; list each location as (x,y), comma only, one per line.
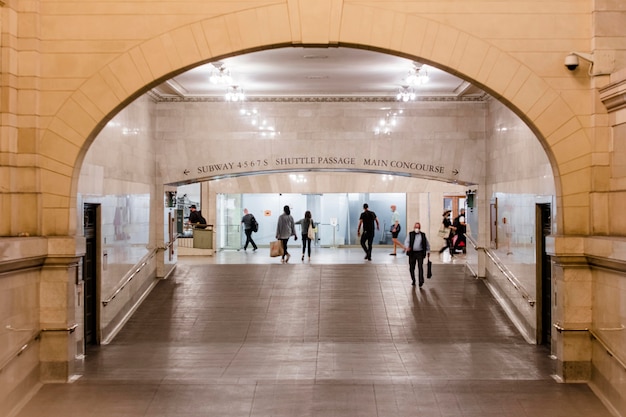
(240,334)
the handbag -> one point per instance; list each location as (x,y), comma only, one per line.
(311,232)
(444,232)
(429,269)
(276,248)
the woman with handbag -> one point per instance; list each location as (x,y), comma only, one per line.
(446,232)
(308,232)
(284,230)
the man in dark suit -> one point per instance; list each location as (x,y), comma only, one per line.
(417,248)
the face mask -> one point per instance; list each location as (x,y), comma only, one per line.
(417,230)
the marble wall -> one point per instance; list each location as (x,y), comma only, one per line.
(119,175)
(437,140)
(519,176)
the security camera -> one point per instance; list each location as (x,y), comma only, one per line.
(571,62)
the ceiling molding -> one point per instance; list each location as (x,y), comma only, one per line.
(321,99)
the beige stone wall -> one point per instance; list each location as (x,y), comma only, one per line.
(119,174)
(68,67)
(88,62)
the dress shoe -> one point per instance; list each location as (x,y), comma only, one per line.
(287,258)
(413,283)
(392,254)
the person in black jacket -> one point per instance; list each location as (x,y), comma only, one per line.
(195,218)
(417,248)
(459,228)
(368,220)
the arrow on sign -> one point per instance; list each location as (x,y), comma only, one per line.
(186,172)
(455,171)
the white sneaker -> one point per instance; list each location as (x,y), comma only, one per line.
(287,258)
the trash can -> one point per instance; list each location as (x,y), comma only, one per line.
(203,238)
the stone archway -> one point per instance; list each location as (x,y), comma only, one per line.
(72,123)
(134,72)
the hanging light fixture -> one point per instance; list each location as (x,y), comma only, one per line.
(418,75)
(405,93)
(220,75)
(235,93)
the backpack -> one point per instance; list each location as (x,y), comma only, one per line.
(254,225)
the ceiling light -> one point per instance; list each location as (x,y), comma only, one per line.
(405,93)
(386,124)
(418,75)
(235,93)
(220,75)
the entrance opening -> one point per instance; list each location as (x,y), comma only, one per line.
(90,303)
(336,216)
(544,275)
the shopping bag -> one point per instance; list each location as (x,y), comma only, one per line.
(429,269)
(276,248)
(311,232)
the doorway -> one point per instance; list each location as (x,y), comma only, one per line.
(543,223)
(90,302)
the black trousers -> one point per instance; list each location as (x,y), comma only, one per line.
(417,258)
(367,237)
(306,242)
(285,253)
(249,239)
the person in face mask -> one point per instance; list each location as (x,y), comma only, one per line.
(417,248)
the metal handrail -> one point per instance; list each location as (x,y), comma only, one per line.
(127,280)
(562,329)
(124,284)
(510,277)
(607,349)
(36,335)
(70,329)
(593,334)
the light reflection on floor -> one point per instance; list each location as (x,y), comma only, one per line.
(319,256)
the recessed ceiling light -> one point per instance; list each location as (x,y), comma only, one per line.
(315,56)
(316,77)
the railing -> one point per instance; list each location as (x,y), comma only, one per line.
(35,336)
(595,336)
(510,277)
(129,279)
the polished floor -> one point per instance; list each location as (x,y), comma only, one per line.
(240,334)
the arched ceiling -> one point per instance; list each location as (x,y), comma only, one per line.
(316,72)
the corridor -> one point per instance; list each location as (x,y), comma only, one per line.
(244,335)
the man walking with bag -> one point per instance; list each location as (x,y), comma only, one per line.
(417,248)
(249,222)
